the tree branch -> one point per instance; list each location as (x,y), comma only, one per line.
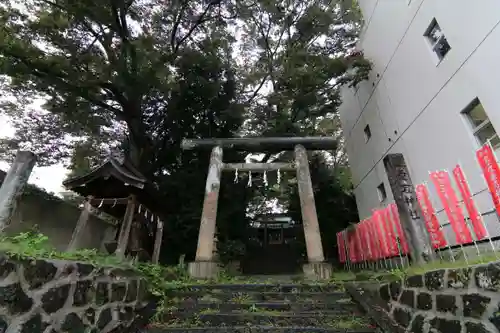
(198,22)
(256,92)
(177,22)
(46,72)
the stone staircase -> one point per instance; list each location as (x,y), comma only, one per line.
(262,308)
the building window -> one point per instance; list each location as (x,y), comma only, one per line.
(437,40)
(382,194)
(482,128)
(368,133)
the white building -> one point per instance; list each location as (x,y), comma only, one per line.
(433,96)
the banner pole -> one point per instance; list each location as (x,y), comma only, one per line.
(483,155)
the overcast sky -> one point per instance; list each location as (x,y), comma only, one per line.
(49,178)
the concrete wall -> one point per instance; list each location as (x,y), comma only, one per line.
(413,101)
(56,219)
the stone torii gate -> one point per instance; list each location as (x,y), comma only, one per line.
(204,265)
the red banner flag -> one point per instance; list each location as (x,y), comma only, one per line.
(403,244)
(378,218)
(431,222)
(474,215)
(359,243)
(448,197)
(389,232)
(374,243)
(341,247)
(367,240)
(491,172)
(351,243)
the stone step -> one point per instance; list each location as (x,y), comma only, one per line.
(266,287)
(275,279)
(261,307)
(194,316)
(218,296)
(267,319)
(257,329)
(193,306)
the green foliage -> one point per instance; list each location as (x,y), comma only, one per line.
(302,53)
(115,75)
(160,279)
(471,260)
(32,244)
(230,250)
(85,156)
(367,275)
(399,273)
(35,191)
(72,198)
(138,77)
(335,203)
(355,11)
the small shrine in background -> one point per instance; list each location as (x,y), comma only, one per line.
(117,188)
(272,245)
(273,229)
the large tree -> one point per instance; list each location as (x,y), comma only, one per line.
(110,69)
(131,75)
(141,75)
(296,55)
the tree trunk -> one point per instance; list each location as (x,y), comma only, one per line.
(138,146)
(139,151)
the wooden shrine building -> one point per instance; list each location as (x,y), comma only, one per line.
(273,229)
(117,188)
(272,246)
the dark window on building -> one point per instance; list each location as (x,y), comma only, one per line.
(437,40)
(480,125)
(382,194)
(368,133)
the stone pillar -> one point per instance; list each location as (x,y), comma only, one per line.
(282,234)
(80,225)
(316,268)
(409,211)
(204,266)
(308,206)
(266,236)
(13,185)
(158,241)
(125,228)
(216,243)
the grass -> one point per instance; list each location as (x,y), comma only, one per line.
(458,263)
(397,274)
(163,279)
(341,277)
(348,323)
(36,245)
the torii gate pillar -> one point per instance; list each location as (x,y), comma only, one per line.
(316,268)
(205,266)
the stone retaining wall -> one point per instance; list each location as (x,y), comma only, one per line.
(447,301)
(52,296)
